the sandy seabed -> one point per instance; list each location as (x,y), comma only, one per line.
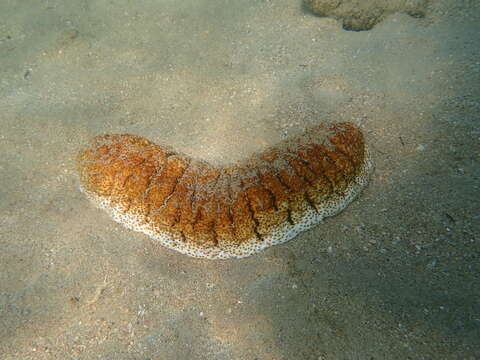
(394,276)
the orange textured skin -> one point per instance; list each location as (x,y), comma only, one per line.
(212,207)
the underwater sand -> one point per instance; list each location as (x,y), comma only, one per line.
(394,276)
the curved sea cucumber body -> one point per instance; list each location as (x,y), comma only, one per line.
(231,211)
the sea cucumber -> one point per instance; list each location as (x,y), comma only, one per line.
(227,211)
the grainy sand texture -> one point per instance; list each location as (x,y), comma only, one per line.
(394,276)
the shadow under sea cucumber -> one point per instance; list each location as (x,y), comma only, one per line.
(230,211)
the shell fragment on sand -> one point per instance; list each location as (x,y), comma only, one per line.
(231,211)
